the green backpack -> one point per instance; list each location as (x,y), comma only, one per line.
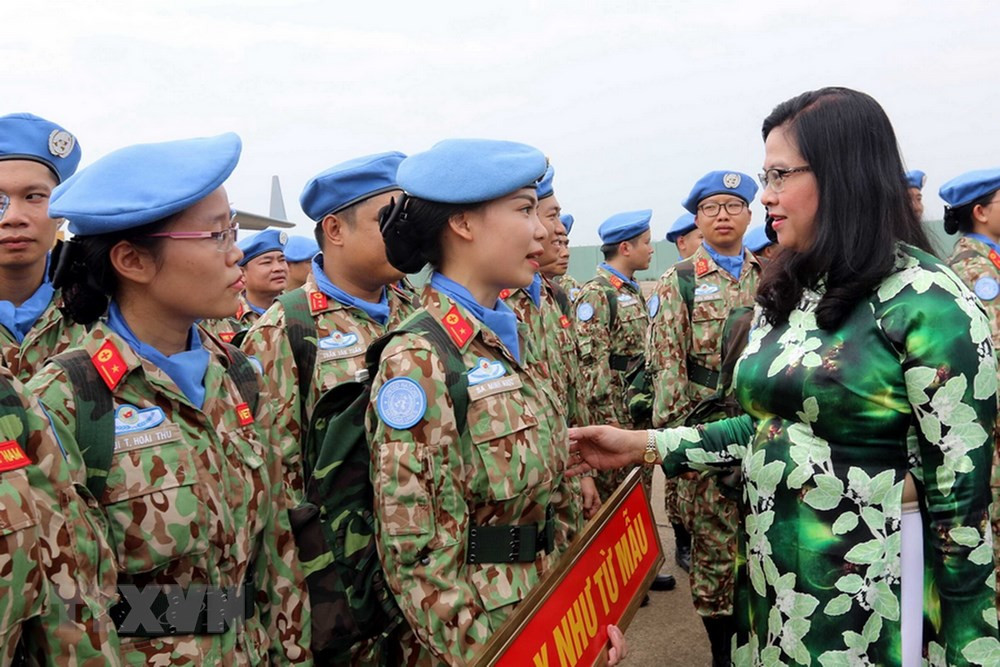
(334,526)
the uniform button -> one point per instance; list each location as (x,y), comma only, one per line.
(425,561)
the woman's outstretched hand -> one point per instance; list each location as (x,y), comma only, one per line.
(603,448)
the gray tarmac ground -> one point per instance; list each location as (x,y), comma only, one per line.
(667,632)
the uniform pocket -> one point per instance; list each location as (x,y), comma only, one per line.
(22,580)
(154,510)
(502,428)
(708,318)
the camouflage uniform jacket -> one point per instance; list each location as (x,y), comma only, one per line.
(58,573)
(677,336)
(197,507)
(569,284)
(53,333)
(349,331)
(604,387)
(433,482)
(226,328)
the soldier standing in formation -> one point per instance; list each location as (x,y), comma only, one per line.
(690,309)
(299,252)
(160,420)
(684,233)
(569,284)
(36,155)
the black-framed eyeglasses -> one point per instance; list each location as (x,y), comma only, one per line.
(774,177)
(4,203)
(733,207)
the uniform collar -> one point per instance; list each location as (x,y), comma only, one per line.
(985,240)
(499,321)
(379,312)
(705,264)
(616,277)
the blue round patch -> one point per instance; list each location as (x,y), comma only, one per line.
(653,305)
(987,288)
(401,403)
(584,312)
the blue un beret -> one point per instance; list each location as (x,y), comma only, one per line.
(719,183)
(567,221)
(624,226)
(140,184)
(970,186)
(470,171)
(300,248)
(916,179)
(24,136)
(349,183)
(681,226)
(266,241)
(545,188)
(756,239)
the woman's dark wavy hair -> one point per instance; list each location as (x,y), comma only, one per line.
(959,218)
(81,268)
(864,207)
(412,228)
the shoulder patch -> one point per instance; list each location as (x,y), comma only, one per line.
(457,326)
(584,312)
(701,266)
(574,292)
(564,322)
(987,288)
(12,456)
(318,302)
(109,364)
(401,402)
(616,281)
(995,258)
(653,305)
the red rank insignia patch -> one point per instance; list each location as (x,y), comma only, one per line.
(457,326)
(109,364)
(995,258)
(227,336)
(12,456)
(317,302)
(701,267)
(616,281)
(564,321)
(243,414)
(504,293)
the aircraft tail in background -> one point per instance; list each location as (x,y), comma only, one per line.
(277,201)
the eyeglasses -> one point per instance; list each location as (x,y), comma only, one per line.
(224,239)
(775,178)
(711,209)
(4,203)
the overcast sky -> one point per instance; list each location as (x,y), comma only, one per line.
(632,101)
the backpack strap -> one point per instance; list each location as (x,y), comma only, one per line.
(300,327)
(242,372)
(95,421)
(962,256)
(685,283)
(611,294)
(561,298)
(10,404)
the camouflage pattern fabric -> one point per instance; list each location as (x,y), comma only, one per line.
(227,328)
(570,285)
(677,336)
(433,481)
(198,505)
(602,387)
(974,261)
(50,335)
(58,576)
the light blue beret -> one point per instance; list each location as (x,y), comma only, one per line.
(140,184)
(471,171)
(545,188)
(265,241)
(719,183)
(567,221)
(916,179)
(756,239)
(24,136)
(300,248)
(624,226)
(350,182)
(970,186)
(681,226)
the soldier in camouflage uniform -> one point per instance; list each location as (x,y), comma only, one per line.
(611,324)
(973,209)
(58,581)
(187,483)
(561,276)
(684,234)
(456,470)
(299,253)
(351,297)
(35,156)
(229,329)
(689,308)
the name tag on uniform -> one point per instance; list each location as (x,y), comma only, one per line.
(339,345)
(135,428)
(707,293)
(139,439)
(497,386)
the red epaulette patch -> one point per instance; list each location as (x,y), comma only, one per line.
(109,364)
(504,293)
(457,326)
(616,281)
(995,258)
(701,267)
(240,312)
(227,336)
(564,321)
(318,302)
(12,456)
(243,414)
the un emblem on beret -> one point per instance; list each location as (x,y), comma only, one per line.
(282,238)
(61,143)
(731,181)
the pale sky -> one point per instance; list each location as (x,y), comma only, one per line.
(631,101)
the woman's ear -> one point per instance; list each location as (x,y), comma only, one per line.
(131,263)
(461,225)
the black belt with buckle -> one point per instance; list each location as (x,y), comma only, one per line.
(511,543)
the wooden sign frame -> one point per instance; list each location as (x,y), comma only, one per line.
(517,637)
